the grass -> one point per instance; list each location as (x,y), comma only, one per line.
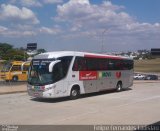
(152,65)
(1,65)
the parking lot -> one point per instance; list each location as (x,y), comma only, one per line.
(137,105)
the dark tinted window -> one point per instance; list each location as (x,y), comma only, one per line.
(120,64)
(16,68)
(80,64)
(60,69)
(65,62)
(115,64)
(26,67)
(93,64)
(128,64)
(103,64)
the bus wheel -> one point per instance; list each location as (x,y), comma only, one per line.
(75,92)
(119,86)
(15,78)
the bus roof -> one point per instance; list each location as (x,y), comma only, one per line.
(19,62)
(57,54)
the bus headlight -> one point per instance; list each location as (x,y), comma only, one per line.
(49,88)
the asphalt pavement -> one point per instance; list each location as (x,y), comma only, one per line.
(137,105)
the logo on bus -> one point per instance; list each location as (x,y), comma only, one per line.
(104,74)
(88,75)
(118,74)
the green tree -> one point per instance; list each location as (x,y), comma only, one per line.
(7,52)
(39,51)
(4,49)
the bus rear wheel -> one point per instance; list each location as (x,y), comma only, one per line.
(15,78)
(75,93)
(119,87)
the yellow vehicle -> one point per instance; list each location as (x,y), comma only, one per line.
(15,71)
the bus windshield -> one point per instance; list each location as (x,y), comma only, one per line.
(6,67)
(39,72)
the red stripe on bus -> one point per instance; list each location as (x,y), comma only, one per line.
(97,56)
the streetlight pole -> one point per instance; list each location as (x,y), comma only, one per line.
(102,44)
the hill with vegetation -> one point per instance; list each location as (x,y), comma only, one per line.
(147,65)
(8,52)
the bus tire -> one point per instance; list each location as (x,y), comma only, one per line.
(75,92)
(119,86)
(15,78)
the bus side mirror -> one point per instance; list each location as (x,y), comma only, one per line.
(51,65)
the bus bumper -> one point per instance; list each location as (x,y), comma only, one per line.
(39,93)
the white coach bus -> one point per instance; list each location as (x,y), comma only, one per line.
(69,73)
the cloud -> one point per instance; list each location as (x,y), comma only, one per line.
(53,1)
(11,12)
(30,3)
(34,3)
(18,31)
(3,29)
(79,21)
(81,14)
(50,31)
(85,19)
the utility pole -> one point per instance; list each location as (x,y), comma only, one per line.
(102,39)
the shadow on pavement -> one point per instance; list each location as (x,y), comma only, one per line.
(151,127)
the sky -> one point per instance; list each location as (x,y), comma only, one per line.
(81,25)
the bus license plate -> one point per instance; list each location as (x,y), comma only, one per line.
(36,94)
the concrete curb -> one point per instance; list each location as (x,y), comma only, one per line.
(3,93)
(13,89)
(146,81)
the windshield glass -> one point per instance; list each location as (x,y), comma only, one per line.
(39,72)
(6,67)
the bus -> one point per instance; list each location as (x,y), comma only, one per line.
(15,71)
(70,73)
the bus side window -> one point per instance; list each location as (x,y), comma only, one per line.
(60,69)
(103,64)
(57,72)
(75,65)
(16,68)
(118,65)
(80,64)
(65,61)
(111,65)
(26,68)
